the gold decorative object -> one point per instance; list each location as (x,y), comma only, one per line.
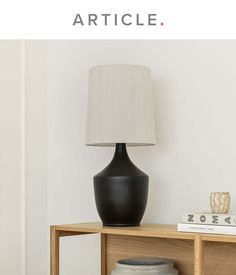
(220,202)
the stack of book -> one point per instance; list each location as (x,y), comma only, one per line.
(208,223)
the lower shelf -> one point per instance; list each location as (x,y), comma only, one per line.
(218,258)
(121,247)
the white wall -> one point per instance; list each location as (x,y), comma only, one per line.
(10,157)
(195,98)
(23,158)
(36,229)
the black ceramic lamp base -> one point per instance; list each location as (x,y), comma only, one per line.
(121,191)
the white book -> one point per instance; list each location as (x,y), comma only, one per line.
(210,218)
(205,228)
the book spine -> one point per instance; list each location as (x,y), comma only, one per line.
(208,229)
(208,218)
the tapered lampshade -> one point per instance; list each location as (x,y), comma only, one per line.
(120,106)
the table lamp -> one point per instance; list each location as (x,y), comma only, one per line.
(120,113)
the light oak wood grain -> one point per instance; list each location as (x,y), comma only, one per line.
(194,254)
(198,256)
(54,251)
(219,258)
(103,254)
(122,247)
(148,230)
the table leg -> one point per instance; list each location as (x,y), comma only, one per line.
(54,251)
(198,256)
(103,254)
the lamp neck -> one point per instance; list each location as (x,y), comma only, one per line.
(121,152)
(121,148)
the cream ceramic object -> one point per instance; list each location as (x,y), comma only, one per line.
(145,266)
(219,202)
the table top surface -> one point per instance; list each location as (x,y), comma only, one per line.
(145,230)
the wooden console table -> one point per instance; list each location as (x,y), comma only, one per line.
(194,254)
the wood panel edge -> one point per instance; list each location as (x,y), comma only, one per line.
(54,250)
(198,255)
(103,254)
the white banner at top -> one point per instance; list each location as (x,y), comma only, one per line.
(70,19)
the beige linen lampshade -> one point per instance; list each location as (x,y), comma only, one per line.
(120,106)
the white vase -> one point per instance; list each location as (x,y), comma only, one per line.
(145,266)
